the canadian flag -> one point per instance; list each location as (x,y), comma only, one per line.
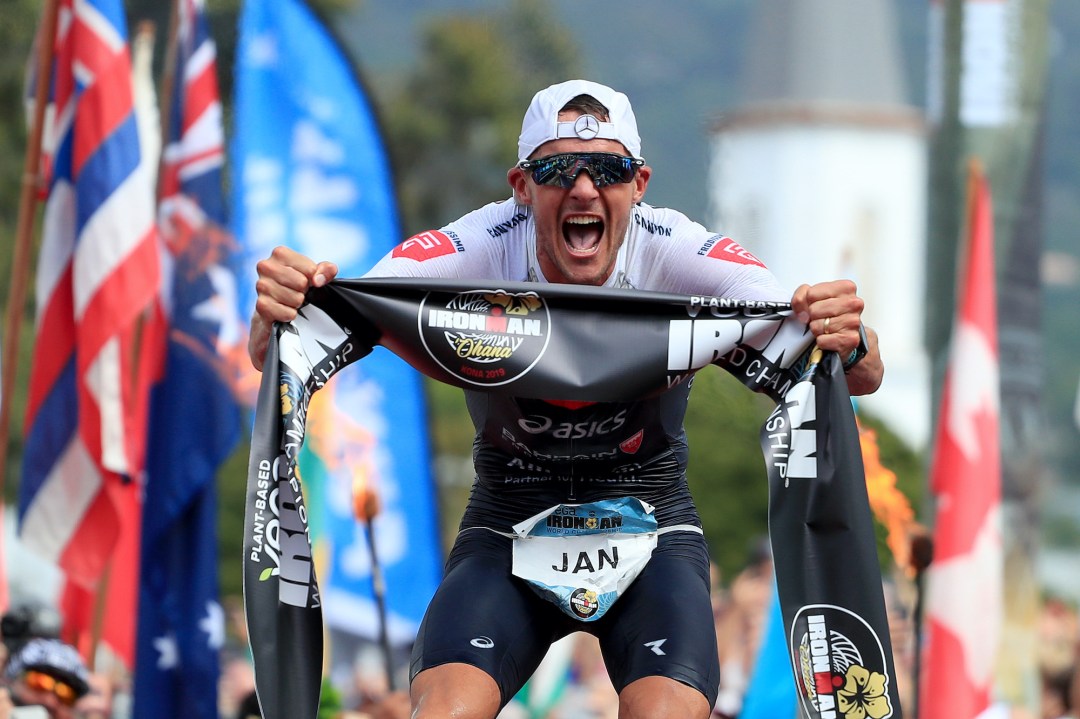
(964,583)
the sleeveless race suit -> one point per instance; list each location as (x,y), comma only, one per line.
(530,455)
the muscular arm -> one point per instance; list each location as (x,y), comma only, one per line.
(838,302)
(468,247)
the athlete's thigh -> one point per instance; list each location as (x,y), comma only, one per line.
(663,624)
(482,616)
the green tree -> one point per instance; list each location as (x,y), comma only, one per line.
(18,22)
(232,490)
(728,479)
(726,472)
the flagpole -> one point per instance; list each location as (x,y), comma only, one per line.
(378,584)
(168,84)
(922,553)
(365,507)
(20,262)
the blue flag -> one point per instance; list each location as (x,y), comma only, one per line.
(771,694)
(195,416)
(311,173)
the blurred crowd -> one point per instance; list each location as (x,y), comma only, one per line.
(44,678)
(741,611)
(1059,660)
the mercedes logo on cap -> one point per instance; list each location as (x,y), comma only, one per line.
(586,127)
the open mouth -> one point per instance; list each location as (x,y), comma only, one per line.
(582,234)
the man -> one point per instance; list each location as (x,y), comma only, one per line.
(47,673)
(577,217)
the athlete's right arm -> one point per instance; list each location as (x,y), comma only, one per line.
(474,246)
(284,279)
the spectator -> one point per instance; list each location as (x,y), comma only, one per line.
(592,695)
(236,682)
(902,636)
(1057,694)
(249,707)
(740,621)
(5,704)
(47,673)
(394,705)
(1074,687)
(1058,633)
(28,621)
(98,701)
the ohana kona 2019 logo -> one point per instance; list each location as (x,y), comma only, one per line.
(840,665)
(485,337)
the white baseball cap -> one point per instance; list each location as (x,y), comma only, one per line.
(541,123)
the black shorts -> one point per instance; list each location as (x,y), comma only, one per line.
(484,616)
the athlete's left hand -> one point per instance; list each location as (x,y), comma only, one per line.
(833,311)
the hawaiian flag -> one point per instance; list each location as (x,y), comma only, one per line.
(964,600)
(98,270)
(195,416)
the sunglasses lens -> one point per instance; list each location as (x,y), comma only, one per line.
(39,681)
(609,169)
(562,170)
(65,693)
(552,170)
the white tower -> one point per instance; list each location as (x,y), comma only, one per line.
(821,172)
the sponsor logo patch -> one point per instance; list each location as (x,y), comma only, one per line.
(633,444)
(839,664)
(425,246)
(725,248)
(584,603)
(485,337)
(595,427)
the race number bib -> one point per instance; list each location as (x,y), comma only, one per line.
(581,557)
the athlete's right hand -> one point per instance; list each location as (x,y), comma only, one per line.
(284,279)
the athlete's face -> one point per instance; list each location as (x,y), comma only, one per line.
(579,229)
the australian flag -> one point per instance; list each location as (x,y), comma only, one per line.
(195,412)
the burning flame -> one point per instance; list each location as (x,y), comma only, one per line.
(888,503)
(344,445)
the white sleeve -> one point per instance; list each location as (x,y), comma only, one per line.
(681,256)
(487,243)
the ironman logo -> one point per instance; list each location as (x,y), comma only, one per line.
(485,337)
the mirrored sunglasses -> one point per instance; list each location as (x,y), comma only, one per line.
(605,168)
(42,682)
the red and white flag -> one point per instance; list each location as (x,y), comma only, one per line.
(98,270)
(964,590)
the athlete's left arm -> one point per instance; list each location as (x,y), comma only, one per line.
(833,310)
(684,257)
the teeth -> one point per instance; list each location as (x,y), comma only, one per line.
(583,234)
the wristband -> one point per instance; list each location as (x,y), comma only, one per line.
(860,350)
